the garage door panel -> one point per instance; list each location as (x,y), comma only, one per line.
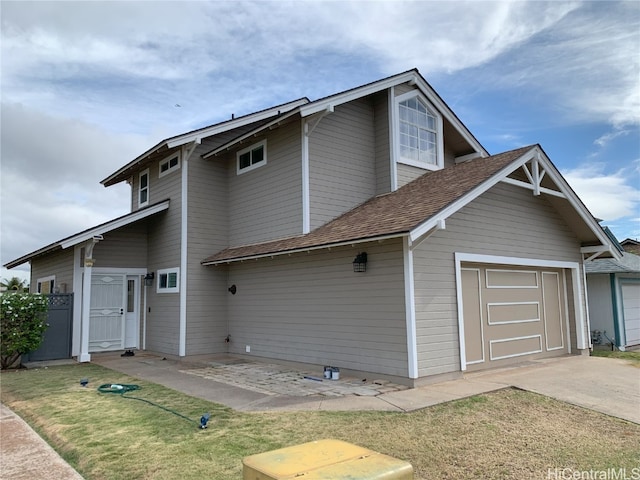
(473,327)
(511,278)
(513,312)
(551,297)
(515,347)
(521,314)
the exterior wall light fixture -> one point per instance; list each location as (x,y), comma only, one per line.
(148,279)
(360,262)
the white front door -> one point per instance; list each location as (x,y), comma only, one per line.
(107,312)
(132,315)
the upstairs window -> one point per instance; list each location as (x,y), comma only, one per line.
(143,189)
(168,280)
(420,132)
(169,165)
(252,157)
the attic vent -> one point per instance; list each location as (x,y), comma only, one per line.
(468,157)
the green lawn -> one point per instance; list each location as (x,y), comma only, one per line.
(505,434)
(633,357)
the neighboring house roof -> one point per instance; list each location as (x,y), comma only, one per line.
(413,209)
(89,233)
(166,146)
(629,263)
(327,104)
(631,246)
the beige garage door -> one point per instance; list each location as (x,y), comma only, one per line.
(512,314)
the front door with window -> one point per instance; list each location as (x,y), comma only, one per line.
(107,315)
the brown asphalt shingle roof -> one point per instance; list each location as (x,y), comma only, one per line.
(398,212)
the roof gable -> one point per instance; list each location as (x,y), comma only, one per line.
(327,105)
(165,146)
(416,208)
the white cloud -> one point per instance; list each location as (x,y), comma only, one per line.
(609,196)
(51,169)
(608,137)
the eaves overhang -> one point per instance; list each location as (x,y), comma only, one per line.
(167,146)
(92,232)
(271,253)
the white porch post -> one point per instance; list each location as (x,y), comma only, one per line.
(86,299)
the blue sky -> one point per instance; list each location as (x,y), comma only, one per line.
(88,86)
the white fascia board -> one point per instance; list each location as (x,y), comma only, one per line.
(410,76)
(114,224)
(255,131)
(230,125)
(445,213)
(447,113)
(576,203)
(354,94)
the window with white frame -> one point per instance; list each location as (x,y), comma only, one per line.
(168,280)
(419,132)
(46,284)
(143,188)
(169,165)
(252,157)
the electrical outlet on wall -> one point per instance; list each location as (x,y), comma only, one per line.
(247,348)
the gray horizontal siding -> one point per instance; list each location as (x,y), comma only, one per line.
(342,161)
(313,308)
(266,203)
(59,264)
(506,221)
(123,248)
(208,224)
(163,251)
(382,142)
(408,173)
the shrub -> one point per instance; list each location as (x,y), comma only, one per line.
(23,321)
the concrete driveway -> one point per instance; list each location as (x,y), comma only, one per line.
(610,386)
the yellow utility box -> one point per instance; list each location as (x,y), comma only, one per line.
(325,460)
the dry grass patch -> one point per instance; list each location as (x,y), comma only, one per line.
(502,435)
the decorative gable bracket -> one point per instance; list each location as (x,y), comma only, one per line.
(535,173)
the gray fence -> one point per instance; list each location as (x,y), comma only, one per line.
(57,338)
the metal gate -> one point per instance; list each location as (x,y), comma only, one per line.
(57,337)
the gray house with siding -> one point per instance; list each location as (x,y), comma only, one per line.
(368,230)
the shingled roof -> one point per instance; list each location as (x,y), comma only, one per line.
(395,213)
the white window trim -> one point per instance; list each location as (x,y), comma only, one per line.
(439,134)
(170,168)
(144,172)
(167,271)
(50,278)
(262,143)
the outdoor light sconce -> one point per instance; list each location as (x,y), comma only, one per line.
(148,279)
(233,289)
(360,262)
